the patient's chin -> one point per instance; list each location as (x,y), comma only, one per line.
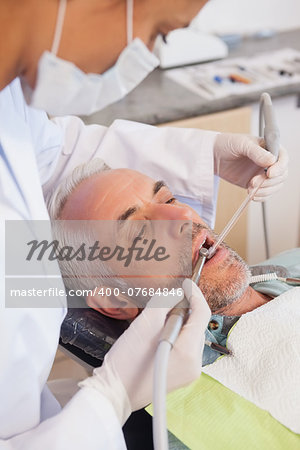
(220,299)
(227,286)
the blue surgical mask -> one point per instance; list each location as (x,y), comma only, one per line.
(62,88)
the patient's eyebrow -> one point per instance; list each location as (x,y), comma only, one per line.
(128,213)
(156,187)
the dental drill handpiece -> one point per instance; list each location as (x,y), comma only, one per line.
(174,322)
(179,314)
(203,252)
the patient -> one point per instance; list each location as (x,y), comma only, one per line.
(95,192)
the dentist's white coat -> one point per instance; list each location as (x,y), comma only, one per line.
(35,151)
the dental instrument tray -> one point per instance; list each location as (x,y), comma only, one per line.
(240,76)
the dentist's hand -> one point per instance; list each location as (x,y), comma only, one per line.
(240,159)
(126,376)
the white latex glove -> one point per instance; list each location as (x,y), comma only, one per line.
(240,159)
(126,375)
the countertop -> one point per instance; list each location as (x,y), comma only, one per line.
(159,100)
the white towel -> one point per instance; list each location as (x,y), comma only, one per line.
(265,366)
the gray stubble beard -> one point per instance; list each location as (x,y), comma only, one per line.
(222,294)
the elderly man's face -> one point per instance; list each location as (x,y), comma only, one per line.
(129,195)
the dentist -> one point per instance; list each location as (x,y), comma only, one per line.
(76,57)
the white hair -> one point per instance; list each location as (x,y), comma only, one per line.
(79,274)
(59,197)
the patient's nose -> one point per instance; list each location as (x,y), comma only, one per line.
(176,220)
(163,211)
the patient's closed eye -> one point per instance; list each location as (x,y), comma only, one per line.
(171,200)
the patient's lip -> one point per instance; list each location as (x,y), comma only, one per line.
(220,254)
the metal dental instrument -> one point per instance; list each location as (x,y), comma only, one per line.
(203,252)
(218,348)
(272,143)
(182,308)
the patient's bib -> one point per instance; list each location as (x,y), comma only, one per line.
(265,366)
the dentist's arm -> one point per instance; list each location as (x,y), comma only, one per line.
(182,157)
(129,364)
(94,416)
(186,159)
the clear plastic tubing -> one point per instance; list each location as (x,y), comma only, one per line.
(233,220)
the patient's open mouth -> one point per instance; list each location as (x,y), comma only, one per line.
(203,240)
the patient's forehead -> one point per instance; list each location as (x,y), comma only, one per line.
(102,196)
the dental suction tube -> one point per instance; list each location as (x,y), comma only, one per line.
(272,143)
(269,130)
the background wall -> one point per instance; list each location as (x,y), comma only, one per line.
(247,16)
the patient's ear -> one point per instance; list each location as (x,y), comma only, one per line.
(116,307)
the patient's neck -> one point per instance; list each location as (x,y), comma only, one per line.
(249,301)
